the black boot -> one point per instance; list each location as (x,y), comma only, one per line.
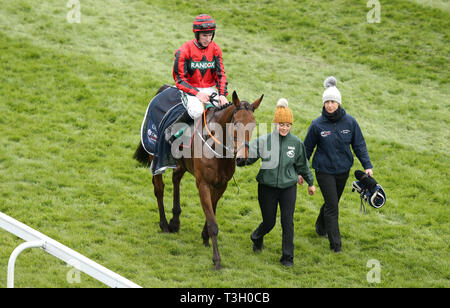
(170,135)
(336,248)
(320,232)
(257,243)
(287,260)
(320,224)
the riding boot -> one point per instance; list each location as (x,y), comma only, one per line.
(171,135)
(257,242)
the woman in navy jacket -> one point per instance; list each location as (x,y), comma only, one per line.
(333,133)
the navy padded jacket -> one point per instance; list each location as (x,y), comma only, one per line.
(333,141)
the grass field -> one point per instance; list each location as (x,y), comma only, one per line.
(73,95)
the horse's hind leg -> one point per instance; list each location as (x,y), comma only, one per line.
(158,186)
(174,225)
(205,235)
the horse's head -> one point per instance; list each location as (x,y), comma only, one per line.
(244,123)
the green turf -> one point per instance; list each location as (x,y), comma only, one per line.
(72,98)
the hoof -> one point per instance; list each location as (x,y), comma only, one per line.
(217,266)
(174,227)
(164,227)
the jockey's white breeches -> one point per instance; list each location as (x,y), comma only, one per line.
(192,104)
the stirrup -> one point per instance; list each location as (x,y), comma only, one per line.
(177,135)
(168,135)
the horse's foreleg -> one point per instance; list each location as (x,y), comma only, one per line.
(174,225)
(215,196)
(158,187)
(211,224)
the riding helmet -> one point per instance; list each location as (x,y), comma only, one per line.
(203,22)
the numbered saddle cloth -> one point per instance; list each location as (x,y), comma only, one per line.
(162,110)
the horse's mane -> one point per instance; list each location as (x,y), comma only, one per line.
(223,106)
(246,105)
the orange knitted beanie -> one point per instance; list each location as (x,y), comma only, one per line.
(283,114)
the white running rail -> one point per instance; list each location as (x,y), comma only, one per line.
(34,238)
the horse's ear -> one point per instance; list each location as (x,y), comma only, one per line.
(256,103)
(236,100)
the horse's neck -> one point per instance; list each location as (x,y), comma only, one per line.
(224,116)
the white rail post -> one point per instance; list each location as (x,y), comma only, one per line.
(15,254)
(62,252)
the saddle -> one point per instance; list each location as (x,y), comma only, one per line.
(163,111)
(164,108)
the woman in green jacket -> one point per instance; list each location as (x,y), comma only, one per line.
(284,164)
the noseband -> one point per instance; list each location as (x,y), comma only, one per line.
(236,149)
(246,107)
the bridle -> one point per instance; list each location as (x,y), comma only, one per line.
(236,148)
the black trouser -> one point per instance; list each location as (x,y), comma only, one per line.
(331,186)
(269,198)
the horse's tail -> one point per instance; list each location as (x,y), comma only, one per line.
(142,156)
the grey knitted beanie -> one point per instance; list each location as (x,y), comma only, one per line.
(331,93)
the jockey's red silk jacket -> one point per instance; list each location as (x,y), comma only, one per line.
(196,67)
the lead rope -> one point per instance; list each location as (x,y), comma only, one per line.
(206,125)
(209,132)
(215,139)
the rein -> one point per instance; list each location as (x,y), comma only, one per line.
(234,151)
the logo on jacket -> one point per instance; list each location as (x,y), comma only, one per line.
(291,152)
(325,133)
(202,66)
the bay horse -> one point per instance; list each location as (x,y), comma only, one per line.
(211,172)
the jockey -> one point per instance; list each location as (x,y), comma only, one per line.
(198,68)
